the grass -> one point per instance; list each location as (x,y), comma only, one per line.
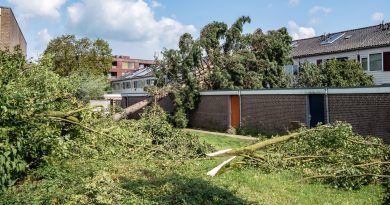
(222,142)
(129,181)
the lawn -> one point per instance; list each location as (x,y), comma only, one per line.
(130,181)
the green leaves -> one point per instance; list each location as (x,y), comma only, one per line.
(70,55)
(330,154)
(333,73)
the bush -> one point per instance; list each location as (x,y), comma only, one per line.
(27,92)
(333,73)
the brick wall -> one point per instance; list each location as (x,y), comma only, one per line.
(211,113)
(10,33)
(272,113)
(369,114)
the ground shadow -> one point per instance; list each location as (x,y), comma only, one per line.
(175,189)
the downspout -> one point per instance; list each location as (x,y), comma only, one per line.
(239,97)
(229,112)
(327,105)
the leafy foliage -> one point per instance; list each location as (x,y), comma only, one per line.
(333,155)
(70,55)
(90,87)
(223,58)
(333,73)
(27,90)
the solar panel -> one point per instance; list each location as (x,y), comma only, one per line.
(332,38)
(294,44)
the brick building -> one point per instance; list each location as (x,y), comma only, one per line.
(10,32)
(124,64)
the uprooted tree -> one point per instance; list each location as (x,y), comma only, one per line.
(223,58)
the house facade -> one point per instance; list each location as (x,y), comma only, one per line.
(124,64)
(134,82)
(369,45)
(10,33)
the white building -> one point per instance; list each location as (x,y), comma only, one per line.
(134,82)
(370,46)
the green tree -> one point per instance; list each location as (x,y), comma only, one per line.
(28,91)
(223,58)
(344,74)
(309,75)
(333,73)
(70,55)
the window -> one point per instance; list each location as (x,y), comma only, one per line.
(131,65)
(113,74)
(332,38)
(342,59)
(125,65)
(123,85)
(386,61)
(116,86)
(376,62)
(114,64)
(365,63)
(137,84)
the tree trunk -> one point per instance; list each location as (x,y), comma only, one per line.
(136,107)
(257,146)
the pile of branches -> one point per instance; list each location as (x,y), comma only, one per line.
(150,137)
(331,154)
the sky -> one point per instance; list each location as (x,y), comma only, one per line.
(142,28)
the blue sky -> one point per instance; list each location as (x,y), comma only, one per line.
(141,28)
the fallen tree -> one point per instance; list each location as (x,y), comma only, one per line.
(157,95)
(328,154)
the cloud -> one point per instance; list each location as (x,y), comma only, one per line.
(130,21)
(316,9)
(41,8)
(294,2)
(314,22)
(156,4)
(377,16)
(44,36)
(298,32)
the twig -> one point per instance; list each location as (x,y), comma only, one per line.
(313,156)
(339,176)
(89,129)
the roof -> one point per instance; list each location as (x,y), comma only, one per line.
(137,74)
(356,39)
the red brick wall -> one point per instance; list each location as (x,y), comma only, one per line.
(273,113)
(211,113)
(369,114)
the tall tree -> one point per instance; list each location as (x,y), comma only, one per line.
(71,55)
(224,58)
